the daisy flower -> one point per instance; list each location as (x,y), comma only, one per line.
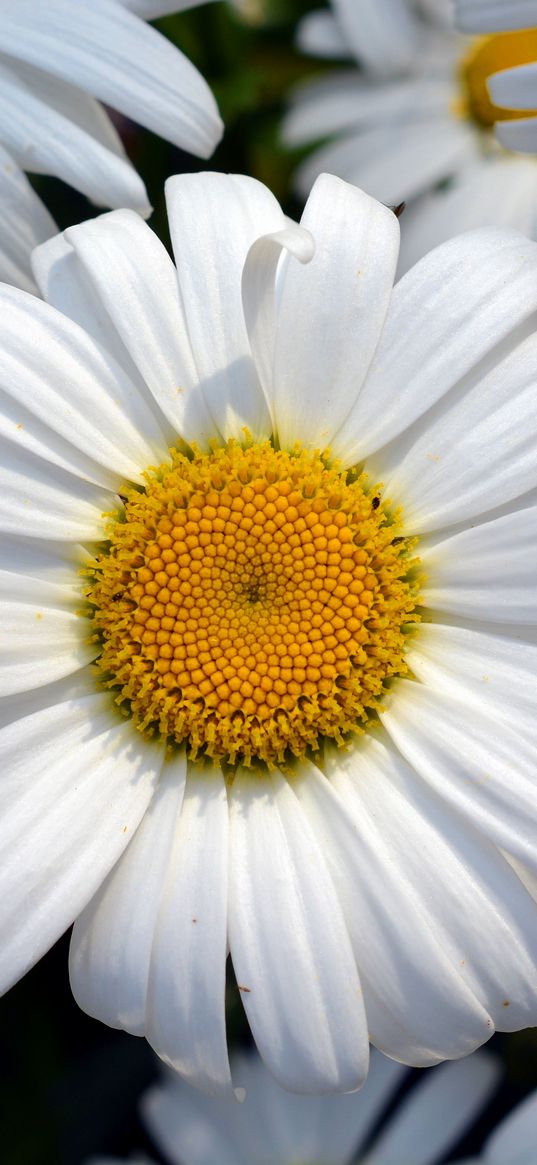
(57,58)
(513,88)
(408,122)
(277,1127)
(268,673)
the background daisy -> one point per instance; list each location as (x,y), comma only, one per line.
(417,127)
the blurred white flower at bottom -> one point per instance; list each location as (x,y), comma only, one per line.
(276,1127)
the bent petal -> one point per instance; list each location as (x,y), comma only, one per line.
(346,289)
(214,219)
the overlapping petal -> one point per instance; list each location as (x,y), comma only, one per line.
(75,784)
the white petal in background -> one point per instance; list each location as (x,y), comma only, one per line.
(497,190)
(519,134)
(273,1126)
(436,1112)
(24,223)
(151,9)
(383,36)
(106,51)
(495,15)
(76,779)
(65,145)
(393,162)
(320,34)
(343,101)
(514,1140)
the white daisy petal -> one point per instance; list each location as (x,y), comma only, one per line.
(422,838)
(486,776)
(276,1124)
(214,219)
(514,1139)
(494,191)
(62,146)
(75,783)
(188,961)
(494,15)
(39,500)
(515,88)
(75,388)
(260,296)
(486,572)
(72,687)
(24,224)
(338,102)
(384,36)
(490,671)
(192,1129)
(64,284)
(58,563)
(106,51)
(393,161)
(499,414)
(436,1113)
(319,33)
(289,945)
(427,1013)
(133,277)
(346,286)
(152,9)
(439,325)
(519,134)
(112,939)
(42,635)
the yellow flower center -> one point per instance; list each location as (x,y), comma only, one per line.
(252,601)
(488,55)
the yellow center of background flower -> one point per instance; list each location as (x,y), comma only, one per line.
(251,602)
(488,55)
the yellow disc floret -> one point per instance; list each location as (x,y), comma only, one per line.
(251,602)
(488,55)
